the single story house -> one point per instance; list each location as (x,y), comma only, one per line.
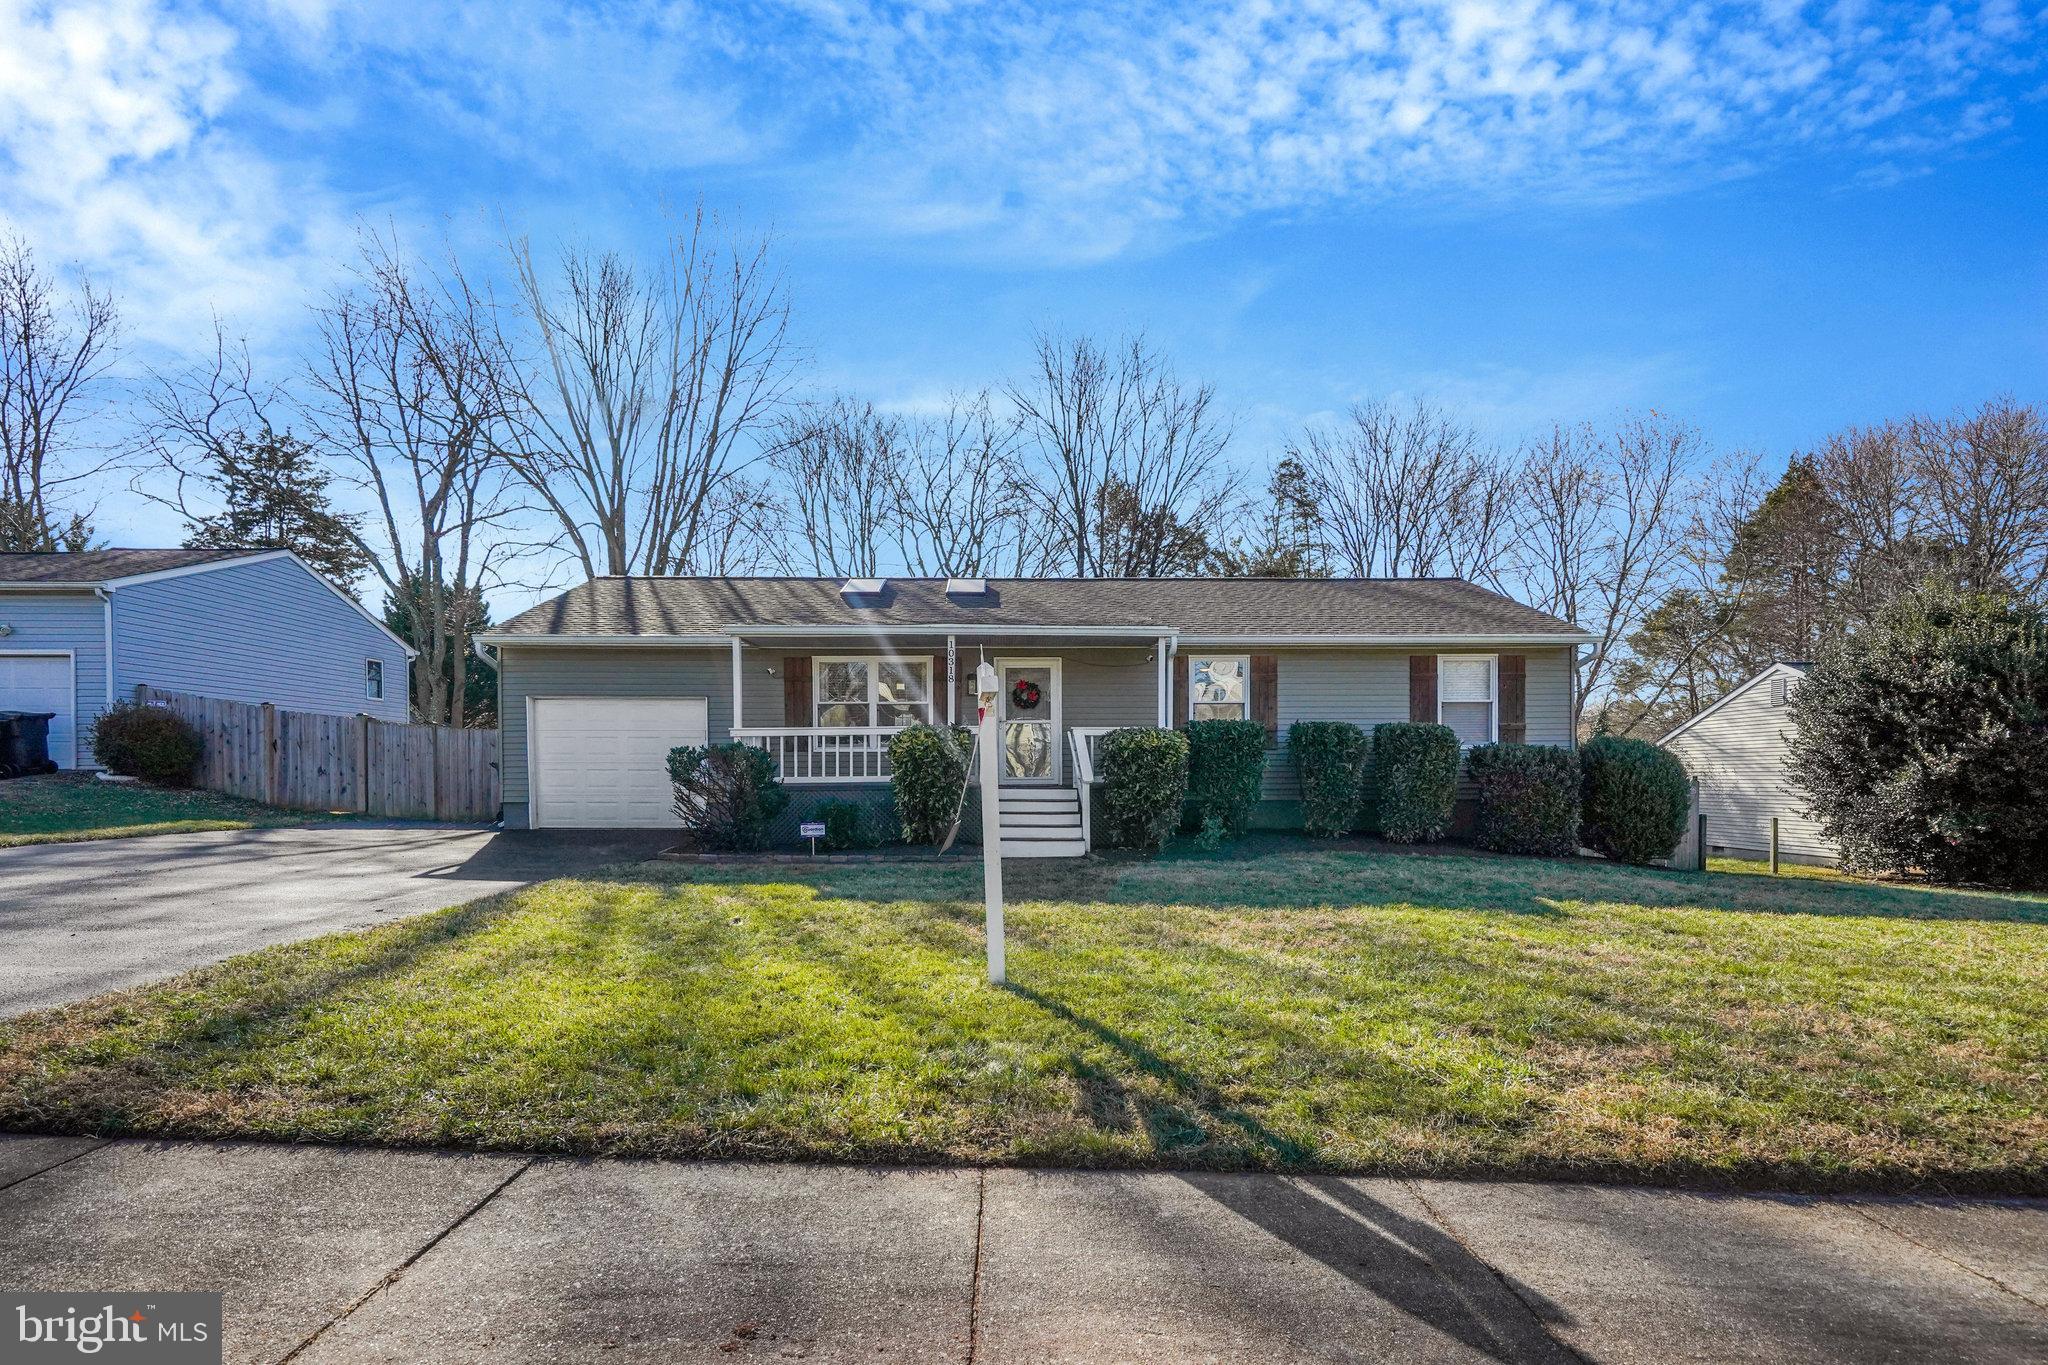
(596,685)
(1739,751)
(80,629)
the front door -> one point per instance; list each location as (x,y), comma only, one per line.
(1028,708)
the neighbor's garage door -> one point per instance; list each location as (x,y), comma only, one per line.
(603,763)
(41,682)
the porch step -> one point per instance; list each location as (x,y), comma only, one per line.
(1061,798)
(1018,819)
(1043,848)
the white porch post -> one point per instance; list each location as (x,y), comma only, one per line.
(737,722)
(952,681)
(1165,692)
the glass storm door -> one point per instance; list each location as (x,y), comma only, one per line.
(1029,709)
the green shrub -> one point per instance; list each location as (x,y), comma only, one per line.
(1633,799)
(153,743)
(726,793)
(928,765)
(1922,741)
(1226,767)
(1144,784)
(1528,798)
(845,824)
(1329,758)
(1415,780)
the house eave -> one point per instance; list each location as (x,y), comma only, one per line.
(1384,641)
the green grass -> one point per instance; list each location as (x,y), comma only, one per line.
(1329,1011)
(67,807)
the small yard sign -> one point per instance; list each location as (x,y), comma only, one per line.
(813,830)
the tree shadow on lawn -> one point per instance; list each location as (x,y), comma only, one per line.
(197,1021)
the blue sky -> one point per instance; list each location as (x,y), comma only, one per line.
(1769,219)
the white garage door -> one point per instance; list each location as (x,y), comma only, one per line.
(603,763)
(41,682)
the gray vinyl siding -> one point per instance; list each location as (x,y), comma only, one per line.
(527,671)
(74,621)
(265,632)
(1741,757)
(1369,687)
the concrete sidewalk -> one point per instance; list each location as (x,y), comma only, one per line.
(339,1254)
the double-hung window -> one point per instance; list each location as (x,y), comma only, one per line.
(1468,696)
(862,691)
(373,679)
(1219,688)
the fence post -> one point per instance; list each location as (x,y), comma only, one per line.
(1702,841)
(1774,845)
(434,772)
(269,754)
(363,762)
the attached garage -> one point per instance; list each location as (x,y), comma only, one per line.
(43,682)
(602,762)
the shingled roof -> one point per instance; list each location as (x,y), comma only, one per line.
(1394,608)
(88,567)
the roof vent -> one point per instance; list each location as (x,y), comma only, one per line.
(863,587)
(966,587)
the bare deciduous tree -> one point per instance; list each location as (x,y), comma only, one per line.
(406,391)
(53,354)
(1408,492)
(1983,477)
(1600,534)
(838,465)
(636,394)
(1128,460)
(961,505)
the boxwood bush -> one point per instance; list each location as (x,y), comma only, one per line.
(1415,780)
(1528,798)
(1226,765)
(1144,784)
(1634,797)
(845,824)
(1329,758)
(726,793)
(153,743)
(927,767)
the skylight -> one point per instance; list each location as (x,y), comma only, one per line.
(966,587)
(863,587)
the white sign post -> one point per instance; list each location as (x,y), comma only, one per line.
(986,686)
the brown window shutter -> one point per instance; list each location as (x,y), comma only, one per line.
(938,690)
(796,690)
(1266,694)
(1422,688)
(1179,715)
(1514,698)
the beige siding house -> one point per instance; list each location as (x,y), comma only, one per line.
(1739,751)
(597,684)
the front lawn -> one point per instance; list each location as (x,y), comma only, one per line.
(65,807)
(1333,1011)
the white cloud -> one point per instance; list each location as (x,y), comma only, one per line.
(112,157)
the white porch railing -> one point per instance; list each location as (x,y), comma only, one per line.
(1081,740)
(824,753)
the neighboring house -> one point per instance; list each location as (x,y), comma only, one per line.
(79,629)
(1739,750)
(595,686)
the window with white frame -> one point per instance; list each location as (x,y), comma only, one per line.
(373,679)
(1467,696)
(859,691)
(1219,688)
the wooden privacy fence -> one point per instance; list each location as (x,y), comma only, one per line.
(309,761)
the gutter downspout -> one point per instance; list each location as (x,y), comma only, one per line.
(106,596)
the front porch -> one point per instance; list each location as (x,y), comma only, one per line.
(840,699)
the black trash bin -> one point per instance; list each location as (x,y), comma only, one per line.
(25,743)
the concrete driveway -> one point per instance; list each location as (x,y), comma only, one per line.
(79,919)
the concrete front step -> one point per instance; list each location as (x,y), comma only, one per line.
(1044,848)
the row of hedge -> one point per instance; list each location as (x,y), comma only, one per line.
(1620,797)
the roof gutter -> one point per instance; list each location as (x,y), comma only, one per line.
(1388,641)
(498,640)
(1147,632)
